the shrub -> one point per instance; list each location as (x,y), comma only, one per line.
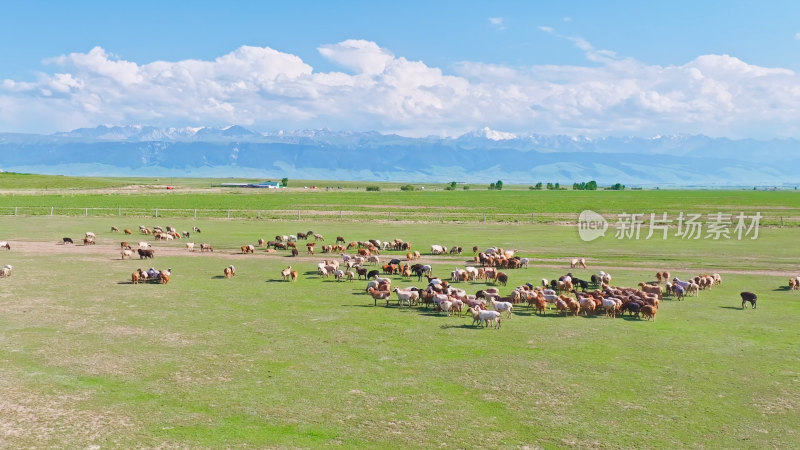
(408,187)
(373,188)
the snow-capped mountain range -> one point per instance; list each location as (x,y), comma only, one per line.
(480,156)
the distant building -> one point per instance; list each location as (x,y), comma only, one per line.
(262,185)
(266,185)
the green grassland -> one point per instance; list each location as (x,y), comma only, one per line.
(776,208)
(253,361)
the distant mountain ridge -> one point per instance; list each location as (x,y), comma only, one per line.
(481,156)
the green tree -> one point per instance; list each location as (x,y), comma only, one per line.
(284,181)
(538,186)
(492,186)
(591,186)
(499,185)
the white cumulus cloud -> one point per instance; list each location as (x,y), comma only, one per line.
(268,89)
(358,55)
(497,22)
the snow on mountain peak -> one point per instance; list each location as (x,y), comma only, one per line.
(494,135)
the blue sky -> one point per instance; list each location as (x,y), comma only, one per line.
(721,68)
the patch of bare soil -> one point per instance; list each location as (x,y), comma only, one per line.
(385,207)
(132,189)
(112,251)
(32,419)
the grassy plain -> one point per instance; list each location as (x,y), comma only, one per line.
(207,362)
(775,207)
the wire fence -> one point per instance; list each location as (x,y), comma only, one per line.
(283,215)
(370,215)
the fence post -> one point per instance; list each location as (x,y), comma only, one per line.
(119,212)
(388,216)
(229,214)
(15,210)
(156,212)
(298,214)
(340,214)
(532,219)
(484,217)
(195,213)
(440,218)
(51,211)
(259,215)
(85,212)
(781,221)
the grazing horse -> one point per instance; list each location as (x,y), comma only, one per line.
(577,262)
(749,297)
(67,240)
(229,271)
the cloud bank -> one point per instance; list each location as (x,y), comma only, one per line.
(266,89)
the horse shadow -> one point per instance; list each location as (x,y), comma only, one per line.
(731,307)
(631,318)
(781,289)
(430,313)
(217,277)
(462,326)
(593,316)
(271,280)
(552,315)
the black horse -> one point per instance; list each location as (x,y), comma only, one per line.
(749,297)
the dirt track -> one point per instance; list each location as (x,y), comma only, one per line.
(110,251)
